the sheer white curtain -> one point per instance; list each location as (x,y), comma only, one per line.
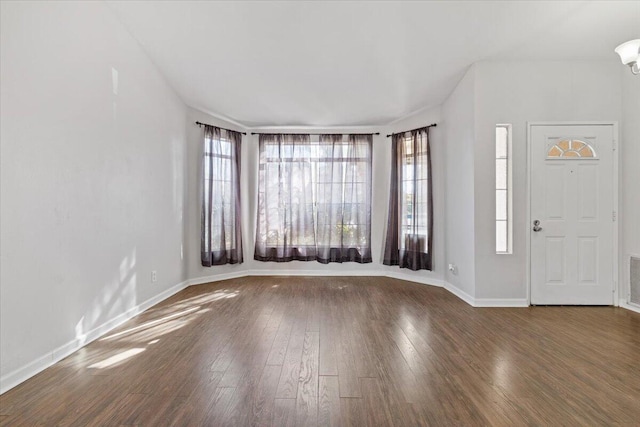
(286,222)
(314,198)
(343,194)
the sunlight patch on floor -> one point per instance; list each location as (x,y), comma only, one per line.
(150,324)
(113,360)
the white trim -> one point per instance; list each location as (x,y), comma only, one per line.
(616,225)
(328,273)
(431,281)
(215,278)
(41,363)
(625,294)
(626,305)
(509,185)
(527,278)
(485,302)
(501,302)
(616,206)
(460,294)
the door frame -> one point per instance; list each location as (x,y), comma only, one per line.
(616,224)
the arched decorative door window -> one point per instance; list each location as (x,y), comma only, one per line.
(571,148)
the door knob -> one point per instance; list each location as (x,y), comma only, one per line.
(536,226)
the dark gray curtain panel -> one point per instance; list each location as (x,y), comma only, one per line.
(314,198)
(221,241)
(410,226)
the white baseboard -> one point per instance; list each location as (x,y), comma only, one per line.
(329,273)
(485,302)
(431,281)
(41,363)
(460,293)
(501,302)
(216,278)
(632,307)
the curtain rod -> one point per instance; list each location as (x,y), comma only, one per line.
(205,124)
(423,127)
(271,133)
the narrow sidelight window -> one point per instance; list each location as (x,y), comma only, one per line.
(504,208)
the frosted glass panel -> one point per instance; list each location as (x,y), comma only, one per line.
(501,142)
(503,192)
(501,204)
(501,174)
(501,236)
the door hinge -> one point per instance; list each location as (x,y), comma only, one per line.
(615,145)
(614,216)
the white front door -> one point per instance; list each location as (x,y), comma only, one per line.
(572,214)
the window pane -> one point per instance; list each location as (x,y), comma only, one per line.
(315,192)
(503,192)
(501,173)
(501,204)
(501,142)
(218,209)
(501,236)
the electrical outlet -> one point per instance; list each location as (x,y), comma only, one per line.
(154,276)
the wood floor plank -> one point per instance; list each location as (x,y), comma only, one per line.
(328,364)
(307,397)
(347,372)
(376,406)
(289,376)
(342,351)
(284,413)
(280,343)
(353,412)
(329,413)
(220,409)
(263,402)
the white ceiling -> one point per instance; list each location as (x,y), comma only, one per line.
(355,63)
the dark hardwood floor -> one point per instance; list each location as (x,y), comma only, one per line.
(293,351)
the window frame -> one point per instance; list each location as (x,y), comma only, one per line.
(509,189)
(314,145)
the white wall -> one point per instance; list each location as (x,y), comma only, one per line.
(459,124)
(629,175)
(92,182)
(517,93)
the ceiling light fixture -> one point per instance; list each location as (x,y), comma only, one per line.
(630,54)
